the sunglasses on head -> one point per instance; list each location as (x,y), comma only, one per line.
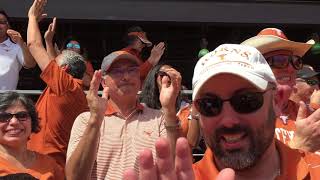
(282,61)
(71,45)
(242,102)
(21,116)
(310,82)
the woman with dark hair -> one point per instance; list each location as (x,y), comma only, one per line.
(18,119)
(150,97)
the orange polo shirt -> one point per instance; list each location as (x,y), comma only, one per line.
(294,165)
(145,66)
(183,115)
(58,106)
(44,168)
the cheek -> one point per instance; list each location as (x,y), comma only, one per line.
(207,125)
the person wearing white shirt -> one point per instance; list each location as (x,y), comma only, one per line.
(14,55)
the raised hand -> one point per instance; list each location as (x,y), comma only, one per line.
(96,103)
(156,53)
(164,168)
(170,89)
(15,36)
(315,97)
(49,34)
(307,135)
(37,9)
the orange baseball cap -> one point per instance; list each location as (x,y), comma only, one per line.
(272,39)
(142,36)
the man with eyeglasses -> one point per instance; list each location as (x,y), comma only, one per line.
(307,83)
(234,91)
(284,57)
(107,140)
(14,54)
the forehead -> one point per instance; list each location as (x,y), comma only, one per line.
(277,52)
(3,17)
(15,105)
(164,67)
(74,42)
(123,62)
(219,86)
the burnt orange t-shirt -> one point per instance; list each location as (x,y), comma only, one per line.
(58,106)
(145,66)
(294,165)
(44,168)
(183,115)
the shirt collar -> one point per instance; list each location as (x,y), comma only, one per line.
(110,111)
(7,43)
(293,165)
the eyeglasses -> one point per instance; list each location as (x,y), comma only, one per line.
(21,116)
(282,61)
(118,72)
(311,82)
(3,22)
(243,103)
(71,45)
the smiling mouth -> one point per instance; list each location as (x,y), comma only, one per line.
(14,132)
(284,78)
(234,140)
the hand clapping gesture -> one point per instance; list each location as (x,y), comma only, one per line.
(37,9)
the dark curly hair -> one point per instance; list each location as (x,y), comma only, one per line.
(71,38)
(5,15)
(150,92)
(130,39)
(7,99)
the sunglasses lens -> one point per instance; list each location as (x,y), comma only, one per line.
(69,45)
(247,102)
(210,106)
(279,61)
(22,116)
(4,117)
(296,62)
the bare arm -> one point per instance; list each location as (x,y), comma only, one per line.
(28,59)
(48,37)
(80,163)
(34,39)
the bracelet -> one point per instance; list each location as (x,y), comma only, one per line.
(175,127)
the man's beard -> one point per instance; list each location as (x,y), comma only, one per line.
(244,158)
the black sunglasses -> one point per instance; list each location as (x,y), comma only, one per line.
(21,116)
(282,61)
(243,103)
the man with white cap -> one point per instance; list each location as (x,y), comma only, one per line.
(107,140)
(284,57)
(234,90)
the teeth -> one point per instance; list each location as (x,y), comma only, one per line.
(284,78)
(14,131)
(232,138)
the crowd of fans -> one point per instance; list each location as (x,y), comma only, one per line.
(254,104)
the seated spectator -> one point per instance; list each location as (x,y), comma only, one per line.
(14,54)
(150,97)
(63,99)
(107,140)
(307,83)
(238,120)
(18,120)
(136,39)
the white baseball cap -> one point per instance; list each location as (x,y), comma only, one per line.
(240,60)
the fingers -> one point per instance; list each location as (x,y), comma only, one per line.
(105,93)
(183,160)
(130,174)
(54,21)
(146,165)
(165,162)
(14,35)
(226,174)
(95,82)
(302,112)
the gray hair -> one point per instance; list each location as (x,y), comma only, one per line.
(75,61)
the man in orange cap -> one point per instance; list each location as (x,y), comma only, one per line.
(284,57)
(136,39)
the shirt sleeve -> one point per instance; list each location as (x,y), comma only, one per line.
(57,79)
(78,128)
(20,56)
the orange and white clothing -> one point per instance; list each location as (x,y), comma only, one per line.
(121,139)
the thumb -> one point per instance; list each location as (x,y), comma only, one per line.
(226,174)
(302,112)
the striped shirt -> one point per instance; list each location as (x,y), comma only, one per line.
(120,141)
